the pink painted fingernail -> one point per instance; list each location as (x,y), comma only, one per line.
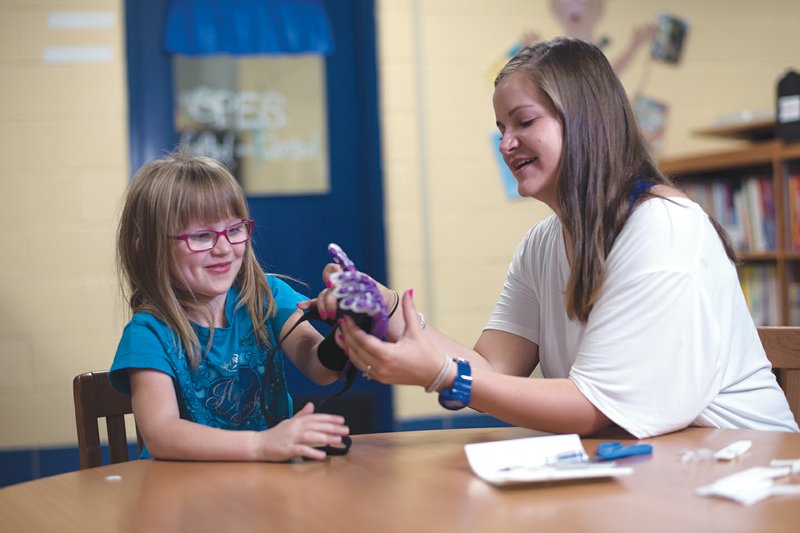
(328,283)
(411,292)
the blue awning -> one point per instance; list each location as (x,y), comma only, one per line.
(248,27)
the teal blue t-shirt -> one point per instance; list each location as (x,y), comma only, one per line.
(225,389)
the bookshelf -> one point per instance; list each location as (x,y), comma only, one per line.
(754,191)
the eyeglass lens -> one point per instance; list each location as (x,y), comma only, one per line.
(206,240)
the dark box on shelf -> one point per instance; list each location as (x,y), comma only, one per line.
(787,111)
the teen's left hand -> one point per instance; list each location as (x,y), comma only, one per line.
(412,360)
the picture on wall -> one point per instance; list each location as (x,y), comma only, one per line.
(668,42)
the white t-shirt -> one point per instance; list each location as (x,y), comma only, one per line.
(670,341)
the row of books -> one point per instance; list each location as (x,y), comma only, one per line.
(760,286)
(745,208)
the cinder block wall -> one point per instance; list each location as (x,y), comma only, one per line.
(63,168)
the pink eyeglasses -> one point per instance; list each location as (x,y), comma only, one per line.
(203,241)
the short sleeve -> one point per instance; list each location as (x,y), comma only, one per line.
(534,283)
(517,309)
(286,300)
(146,342)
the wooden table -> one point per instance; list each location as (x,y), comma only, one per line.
(409,482)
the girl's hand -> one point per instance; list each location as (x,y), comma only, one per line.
(298,436)
(412,360)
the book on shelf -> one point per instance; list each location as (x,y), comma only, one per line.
(793,211)
(760,287)
(768,216)
(745,208)
(793,297)
(753,207)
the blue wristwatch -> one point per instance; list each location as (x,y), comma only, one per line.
(460,394)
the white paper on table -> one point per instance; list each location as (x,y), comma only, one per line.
(535,459)
(751,486)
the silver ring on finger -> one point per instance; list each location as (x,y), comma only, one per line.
(367,373)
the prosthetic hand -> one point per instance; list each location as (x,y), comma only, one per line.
(359,297)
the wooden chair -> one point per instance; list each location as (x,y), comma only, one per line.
(782,345)
(95,398)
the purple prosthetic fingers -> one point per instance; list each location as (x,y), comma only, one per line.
(358,295)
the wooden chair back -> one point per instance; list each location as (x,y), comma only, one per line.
(782,344)
(95,398)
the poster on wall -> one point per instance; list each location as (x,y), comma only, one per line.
(265,117)
(652,115)
(668,42)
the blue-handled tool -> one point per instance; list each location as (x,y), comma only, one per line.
(607,451)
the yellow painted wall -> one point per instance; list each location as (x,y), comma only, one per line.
(63,167)
(450,228)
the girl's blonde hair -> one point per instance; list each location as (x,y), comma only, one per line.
(165,196)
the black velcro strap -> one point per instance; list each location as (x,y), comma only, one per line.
(350,373)
(331,354)
(337,450)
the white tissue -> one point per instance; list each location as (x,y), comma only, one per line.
(750,486)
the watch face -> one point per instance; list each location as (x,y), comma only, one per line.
(451,403)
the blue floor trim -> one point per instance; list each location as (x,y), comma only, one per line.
(18,466)
(449,422)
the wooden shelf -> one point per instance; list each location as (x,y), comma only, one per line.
(760,157)
(757,130)
(788,151)
(758,257)
(756,154)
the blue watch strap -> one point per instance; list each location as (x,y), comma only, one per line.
(460,394)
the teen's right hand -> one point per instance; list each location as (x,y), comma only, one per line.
(298,436)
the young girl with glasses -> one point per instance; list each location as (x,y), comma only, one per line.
(199,355)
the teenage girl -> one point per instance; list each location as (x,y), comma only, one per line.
(626,296)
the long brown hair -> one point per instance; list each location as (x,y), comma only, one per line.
(165,196)
(605,154)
